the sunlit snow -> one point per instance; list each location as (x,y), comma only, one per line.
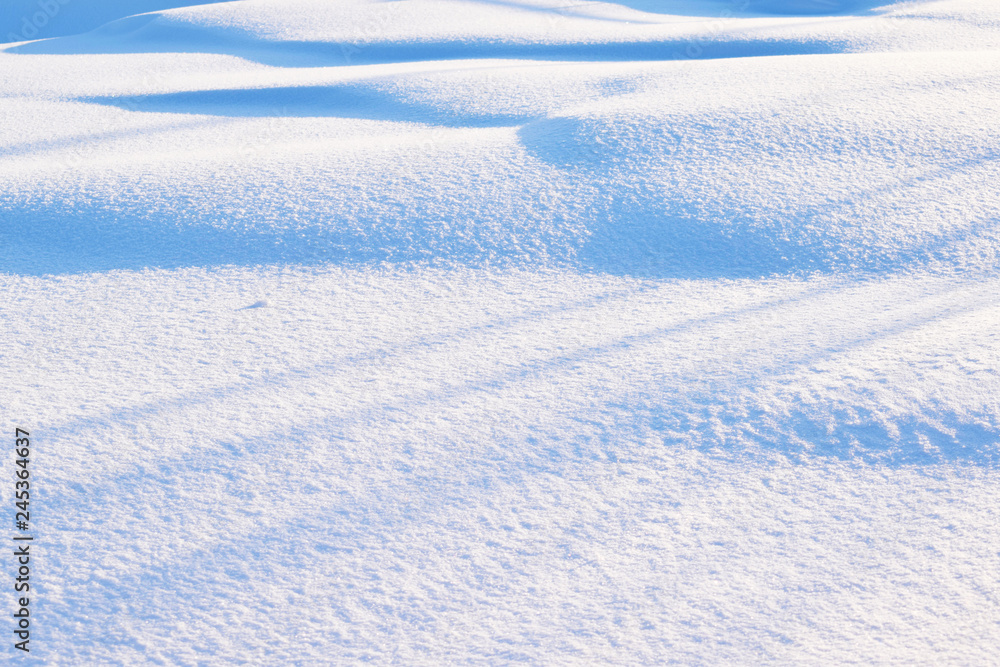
(499,331)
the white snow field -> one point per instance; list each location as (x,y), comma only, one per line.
(433,332)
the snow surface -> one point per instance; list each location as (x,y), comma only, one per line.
(499,331)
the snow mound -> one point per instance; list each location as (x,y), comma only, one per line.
(493,331)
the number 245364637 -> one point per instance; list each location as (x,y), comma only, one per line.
(22,491)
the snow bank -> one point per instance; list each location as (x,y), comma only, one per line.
(436,331)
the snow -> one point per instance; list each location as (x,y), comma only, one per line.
(482,331)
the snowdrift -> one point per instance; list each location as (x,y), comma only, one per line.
(441,331)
